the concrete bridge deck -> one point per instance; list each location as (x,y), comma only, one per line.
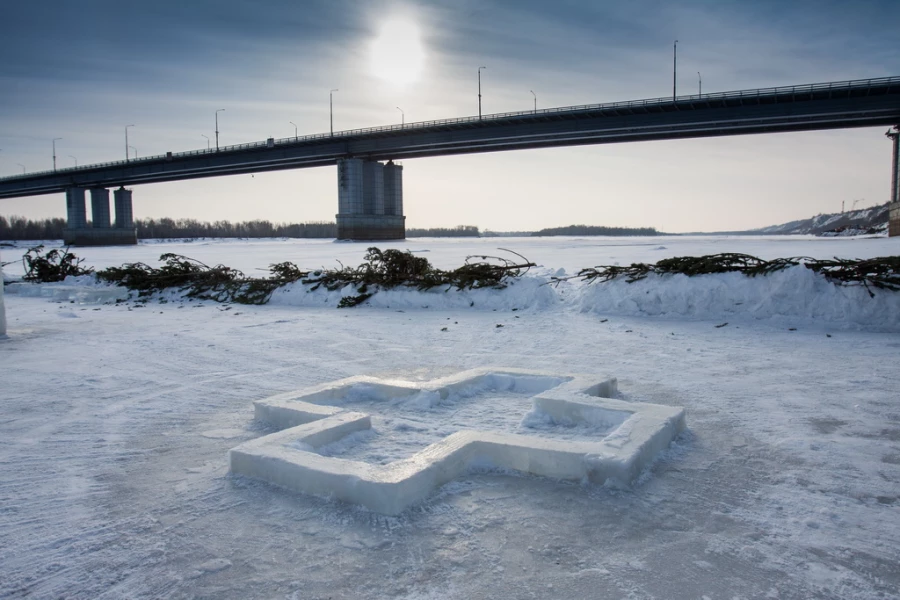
(836,105)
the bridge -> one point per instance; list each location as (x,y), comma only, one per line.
(370,192)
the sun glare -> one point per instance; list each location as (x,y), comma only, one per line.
(397,53)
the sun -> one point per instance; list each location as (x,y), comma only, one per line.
(397,54)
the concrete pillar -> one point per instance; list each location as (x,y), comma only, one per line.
(100,207)
(77,233)
(363,211)
(124,212)
(350,186)
(393,189)
(894,207)
(76,214)
(373,188)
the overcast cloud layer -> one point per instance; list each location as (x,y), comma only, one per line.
(83,71)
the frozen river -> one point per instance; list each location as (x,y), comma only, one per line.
(116,421)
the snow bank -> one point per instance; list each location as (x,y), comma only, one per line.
(794,296)
(523,292)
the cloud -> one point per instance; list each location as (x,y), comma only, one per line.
(82,71)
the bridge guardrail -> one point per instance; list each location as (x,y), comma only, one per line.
(738,94)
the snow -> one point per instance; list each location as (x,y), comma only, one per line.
(794,297)
(117,420)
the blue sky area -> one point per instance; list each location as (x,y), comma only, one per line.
(82,71)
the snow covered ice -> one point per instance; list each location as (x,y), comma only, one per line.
(117,420)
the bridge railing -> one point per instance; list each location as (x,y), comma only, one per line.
(794,90)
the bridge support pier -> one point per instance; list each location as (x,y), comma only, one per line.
(100,207)
(370,200)
(894,207)
(76,215)
(99,232)
(124,210)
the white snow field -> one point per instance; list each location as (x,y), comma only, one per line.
(116,422)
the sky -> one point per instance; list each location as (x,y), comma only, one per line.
(83,71)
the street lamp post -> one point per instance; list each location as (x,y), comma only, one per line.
(402,117)
(331,110)
(479,91)
(207,142)
(23,167)
(674,66)
(217,128)
(75,159)
(126,141)
(54,152)
(535,100)
(295,129)
(700,84)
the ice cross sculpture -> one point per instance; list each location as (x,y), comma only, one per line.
(634,433)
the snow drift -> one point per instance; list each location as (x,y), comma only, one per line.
(794,296)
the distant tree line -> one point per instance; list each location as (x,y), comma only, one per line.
(458,231)
(191,228)
(597,230)
(20,228)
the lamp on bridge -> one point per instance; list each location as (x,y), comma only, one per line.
(54,152)
(331,110)
(217,127)
(23,167)
(295,129)
(75,159)
(479,91)
(126,141)
(402,117)
(207,142)
(674,66)
(535,100)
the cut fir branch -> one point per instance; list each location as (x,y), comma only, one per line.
(882,272)
(380,270)
(51,266)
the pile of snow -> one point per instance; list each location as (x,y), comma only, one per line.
(794,296)
(521,293)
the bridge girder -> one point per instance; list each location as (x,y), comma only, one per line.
(858,104)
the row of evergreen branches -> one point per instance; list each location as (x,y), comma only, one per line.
(386,269)
(381,269)
(51,266)
(882,272)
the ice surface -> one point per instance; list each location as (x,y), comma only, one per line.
(113,454)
